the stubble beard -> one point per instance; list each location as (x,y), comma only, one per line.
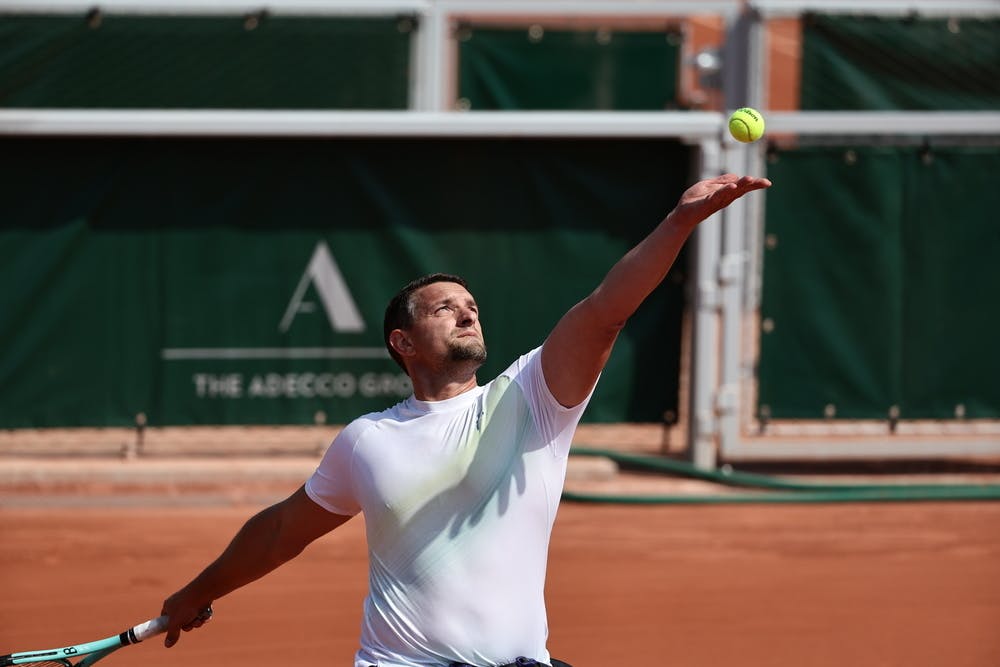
(468,349)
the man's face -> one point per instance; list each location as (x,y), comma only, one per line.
(446,324)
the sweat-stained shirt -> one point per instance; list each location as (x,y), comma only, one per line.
(459,498)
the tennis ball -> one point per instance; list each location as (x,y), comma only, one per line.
(746,125)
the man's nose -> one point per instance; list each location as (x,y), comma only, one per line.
(466,317)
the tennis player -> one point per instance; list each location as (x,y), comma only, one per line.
(460,482)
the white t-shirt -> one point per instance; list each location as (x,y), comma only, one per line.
(459,498)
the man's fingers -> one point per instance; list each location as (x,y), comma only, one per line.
(173,633)
(753,183)
(734,188)
(201,619)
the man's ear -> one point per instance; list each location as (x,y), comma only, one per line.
(401,342)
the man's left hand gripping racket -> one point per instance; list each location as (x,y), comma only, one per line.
(91,652)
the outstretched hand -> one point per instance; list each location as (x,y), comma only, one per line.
(714,194)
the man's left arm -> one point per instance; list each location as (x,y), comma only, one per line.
(578,347)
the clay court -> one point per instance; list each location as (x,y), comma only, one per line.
(806,585)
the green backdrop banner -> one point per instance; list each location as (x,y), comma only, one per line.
(951,246)
(243,281)
(170,62)
(879,276)
(917,64)
(510,69)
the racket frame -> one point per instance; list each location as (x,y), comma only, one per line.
(92,651)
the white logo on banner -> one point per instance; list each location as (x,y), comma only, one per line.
(342,314)
(324,274)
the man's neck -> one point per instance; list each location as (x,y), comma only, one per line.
(441,385)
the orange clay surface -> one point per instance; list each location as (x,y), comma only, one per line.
(805,585)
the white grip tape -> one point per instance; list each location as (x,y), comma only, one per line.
(150,628)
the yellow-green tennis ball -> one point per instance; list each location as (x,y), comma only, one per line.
(746,125)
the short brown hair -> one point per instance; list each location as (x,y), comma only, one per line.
(399,314)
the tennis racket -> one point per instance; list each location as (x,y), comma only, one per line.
(91,652)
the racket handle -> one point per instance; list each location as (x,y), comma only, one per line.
(150,628)
(154,627)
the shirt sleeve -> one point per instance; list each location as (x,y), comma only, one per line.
(556,423)
(331,485)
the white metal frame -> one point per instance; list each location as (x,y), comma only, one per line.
(432,66)
(727,265)
(738,437)
(688,126)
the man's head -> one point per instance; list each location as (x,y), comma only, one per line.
(432,311)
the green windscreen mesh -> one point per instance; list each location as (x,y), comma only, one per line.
(951,315)
(244,281)
(879,283)
(535,69)
(230,62)
(916,64)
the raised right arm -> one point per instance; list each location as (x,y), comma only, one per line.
(575,352)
